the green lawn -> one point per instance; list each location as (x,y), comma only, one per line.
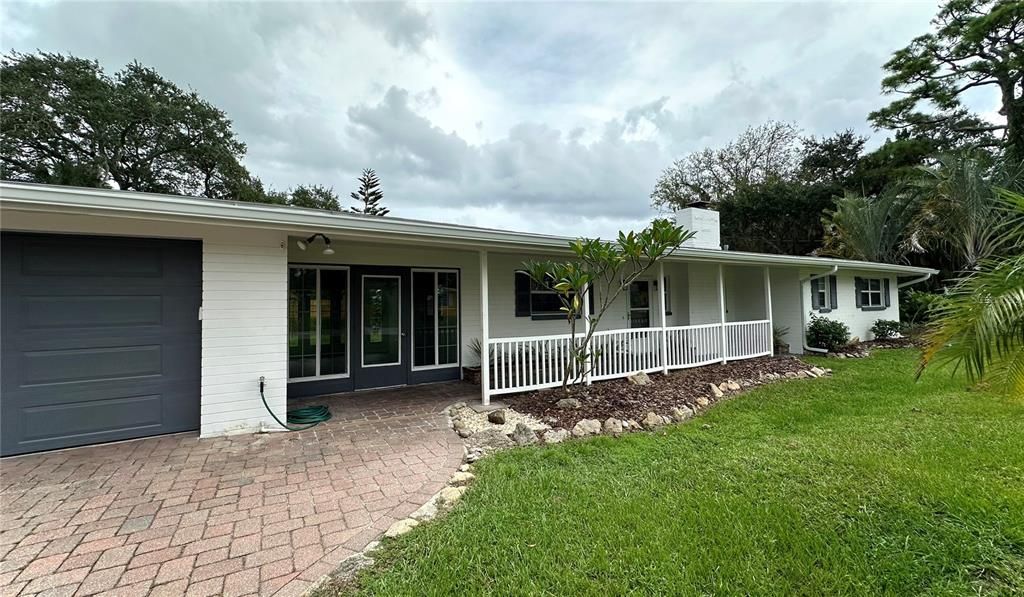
(864,483)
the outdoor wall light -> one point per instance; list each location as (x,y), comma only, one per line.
(304,244)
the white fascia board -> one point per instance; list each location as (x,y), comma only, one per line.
(159,207)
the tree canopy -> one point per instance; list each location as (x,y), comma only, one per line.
(975,44)
(67,122)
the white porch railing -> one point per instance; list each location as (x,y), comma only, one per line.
(534,362)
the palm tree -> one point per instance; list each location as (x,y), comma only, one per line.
(960,212)
(870,228)
(980,323)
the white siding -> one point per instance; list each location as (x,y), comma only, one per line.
(244,329)
(703,293)
(245,300)
(786,309)
(744,293)
(858,320)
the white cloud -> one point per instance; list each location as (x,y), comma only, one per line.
(542,117)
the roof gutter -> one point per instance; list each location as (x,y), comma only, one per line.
(914,281)
(803,309)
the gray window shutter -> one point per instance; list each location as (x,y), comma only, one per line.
(885,292)
(593,298)
(814,294)
(858,287)
(833,293)
(522,294)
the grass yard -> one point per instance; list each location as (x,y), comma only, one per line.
(864,483)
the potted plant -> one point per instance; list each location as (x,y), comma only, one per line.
(472,374)
(778,344)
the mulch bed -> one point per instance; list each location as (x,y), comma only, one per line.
(620,399)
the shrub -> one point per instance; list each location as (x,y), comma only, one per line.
(916,307)
(886,328)
(827,333)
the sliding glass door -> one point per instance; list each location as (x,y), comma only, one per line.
(435,318)
(318,322)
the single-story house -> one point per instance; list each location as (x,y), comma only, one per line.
(130,314)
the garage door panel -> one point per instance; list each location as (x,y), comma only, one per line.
(97,258)
(89,356)
(90,364)
(90,311)
(90,420)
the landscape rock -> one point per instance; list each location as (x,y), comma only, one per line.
(523,435)
(703,402)
(567,403)
(818,371)
(490,440)
(348,567)
(450,495)
(682,413)
(425,512)
(811,373)
(555,436)
(464,433)
(802,374)
(587,427)
(497,416)
(653,420)
(613,426)
(401,527)
(630,424)
(464,467)
(639,379)
(716,391)
(723,387)
(461,478)
(732,386)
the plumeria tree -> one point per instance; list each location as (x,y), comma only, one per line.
(608,266)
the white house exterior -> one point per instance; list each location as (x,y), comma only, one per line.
(129,314)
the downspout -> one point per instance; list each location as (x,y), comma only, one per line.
(914,281)
(803,309)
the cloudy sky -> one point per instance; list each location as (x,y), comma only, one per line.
(540,117)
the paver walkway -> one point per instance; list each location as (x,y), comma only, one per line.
(248,514)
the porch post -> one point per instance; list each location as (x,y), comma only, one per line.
(721,306)
(663,308)
(485,334)
(768,308)
(586,330)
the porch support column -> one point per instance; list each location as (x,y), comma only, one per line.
(485,334)
(768,308)
(721,306)
(663,309)
(586,331)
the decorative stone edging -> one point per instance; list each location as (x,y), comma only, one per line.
(484,439)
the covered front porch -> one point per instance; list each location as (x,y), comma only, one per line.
(647,329)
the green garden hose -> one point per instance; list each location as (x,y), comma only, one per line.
(308,416)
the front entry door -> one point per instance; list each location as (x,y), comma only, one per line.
(640,304)
(381,327)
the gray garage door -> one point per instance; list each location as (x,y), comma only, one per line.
(100,339)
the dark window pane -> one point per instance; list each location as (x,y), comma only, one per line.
(423,314)
(333,322)
(545,303)
(381,320)
(301,322)
(447,318)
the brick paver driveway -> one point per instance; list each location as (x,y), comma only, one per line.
(248,514)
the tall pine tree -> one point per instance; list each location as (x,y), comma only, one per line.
(370,195)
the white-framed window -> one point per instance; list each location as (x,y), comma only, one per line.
(872,292)
(318,325)
(435,318)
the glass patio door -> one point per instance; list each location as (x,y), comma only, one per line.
(381,320)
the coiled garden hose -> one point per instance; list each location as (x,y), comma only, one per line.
(307,416)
